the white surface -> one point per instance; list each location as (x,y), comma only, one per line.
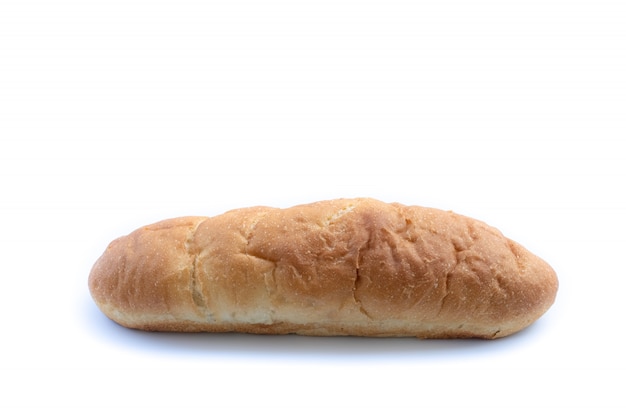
(115,114)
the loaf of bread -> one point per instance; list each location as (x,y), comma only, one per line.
(342,267)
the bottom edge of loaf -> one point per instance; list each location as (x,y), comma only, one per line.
(386,328)
(324,331)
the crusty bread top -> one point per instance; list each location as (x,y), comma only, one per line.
(348,266)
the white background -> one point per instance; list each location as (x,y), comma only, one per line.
(116,114)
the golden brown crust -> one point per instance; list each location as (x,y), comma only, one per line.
(339,267)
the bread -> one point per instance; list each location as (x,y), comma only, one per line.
(342,267)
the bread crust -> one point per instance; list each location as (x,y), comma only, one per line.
(340,267)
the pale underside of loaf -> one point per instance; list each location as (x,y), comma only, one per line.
(341,267)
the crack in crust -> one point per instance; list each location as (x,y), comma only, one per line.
(196,290)
(269,281)
(516,255)
(446,291)
(340,213)
(460,250)
(358,279)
